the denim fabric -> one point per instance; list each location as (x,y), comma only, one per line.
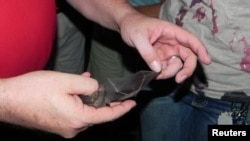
(164,119)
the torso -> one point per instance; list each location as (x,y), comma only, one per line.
(223,27)
(27,33)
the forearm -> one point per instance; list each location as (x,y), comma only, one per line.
(4,114)
(108,13)
(8,103)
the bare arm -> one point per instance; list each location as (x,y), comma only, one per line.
(150,36)
(108,13)
(48,101)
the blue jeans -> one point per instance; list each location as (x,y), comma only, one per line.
(164,119)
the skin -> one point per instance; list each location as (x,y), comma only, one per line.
(48,101)
(145,33)
(173,64)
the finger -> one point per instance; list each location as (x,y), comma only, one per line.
(189,40)
(190,62)
(86,74)
(148,54)
(82,85)
(174,64)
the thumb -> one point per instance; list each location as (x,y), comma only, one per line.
(85,85)
(148,54)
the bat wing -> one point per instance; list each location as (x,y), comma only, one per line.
(117,89)
(126,87)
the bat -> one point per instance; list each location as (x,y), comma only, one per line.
(118,89)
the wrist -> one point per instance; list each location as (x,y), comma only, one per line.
(123,12)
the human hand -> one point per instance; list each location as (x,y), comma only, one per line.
(157,41)
(49,101)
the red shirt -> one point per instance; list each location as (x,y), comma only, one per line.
(27,29)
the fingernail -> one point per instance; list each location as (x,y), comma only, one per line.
(155,66)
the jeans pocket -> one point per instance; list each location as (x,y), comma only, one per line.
(199,101)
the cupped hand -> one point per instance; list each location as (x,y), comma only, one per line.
(49,101)
(157,40)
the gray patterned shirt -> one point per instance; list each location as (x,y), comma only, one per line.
(224,28)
